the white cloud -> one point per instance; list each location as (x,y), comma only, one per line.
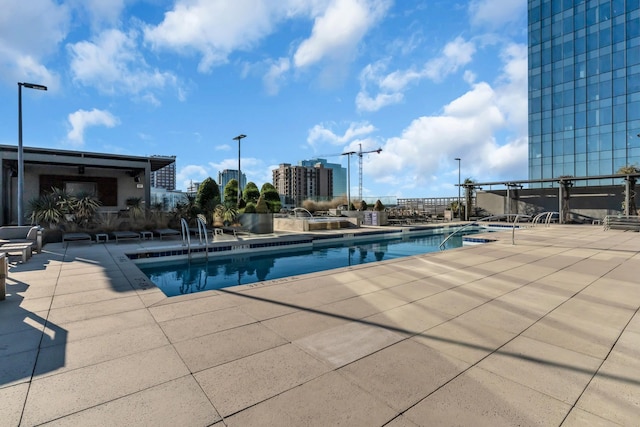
(82,119)
(455,54)
(496,13)
(322,134)
(364,102)
(512,89)
(275,75)
(215,28)
(391,86)
(467,128)
(337,32)
(113,64)
(101,12)
(28,35)
(189,174)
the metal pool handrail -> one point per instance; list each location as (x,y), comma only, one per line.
(295,212)
(202,231)
(517,217)
(186,237)
(548,216)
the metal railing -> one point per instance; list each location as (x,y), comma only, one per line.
(621,222)
(203,234)
(488,218)
(186,237)
(548,216)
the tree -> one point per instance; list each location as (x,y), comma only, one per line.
(208,196)
(631,180)
(250,208)
(231,193)
(270,195)
(378,206)
(188,209)
(251,193)
(363,206)
(262,206)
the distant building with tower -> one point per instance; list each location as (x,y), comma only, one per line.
(227,175)
(165,177)
(296,184)
(339,174)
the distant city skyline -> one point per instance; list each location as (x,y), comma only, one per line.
(426,81)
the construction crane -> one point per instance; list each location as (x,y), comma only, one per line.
(349,154)
(360,153)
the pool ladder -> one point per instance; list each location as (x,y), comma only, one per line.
(202,235)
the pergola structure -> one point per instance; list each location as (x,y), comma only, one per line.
(564,184)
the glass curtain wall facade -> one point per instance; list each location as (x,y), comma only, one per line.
(584,88)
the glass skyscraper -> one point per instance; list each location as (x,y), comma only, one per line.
(584,88)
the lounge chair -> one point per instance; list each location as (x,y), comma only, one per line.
(164,232)
(24,249)
(75,237)
(125,235)
(22,234)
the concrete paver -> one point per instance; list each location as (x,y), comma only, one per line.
(480,398)
(543,332)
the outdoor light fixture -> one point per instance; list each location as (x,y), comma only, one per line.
(458,159)
(20,151)
(239,138)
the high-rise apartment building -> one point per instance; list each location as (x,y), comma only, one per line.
(295,184)
(165,177)
(584,87)
(339,174)
(227,175)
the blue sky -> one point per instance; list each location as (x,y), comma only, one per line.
(426,81)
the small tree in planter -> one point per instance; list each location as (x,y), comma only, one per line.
(262,206)
(231,193)
(250,194)
(250,208)
(271,197)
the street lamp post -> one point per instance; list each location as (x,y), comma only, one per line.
(20,151)
(458,159)
(239,138)
(348,154)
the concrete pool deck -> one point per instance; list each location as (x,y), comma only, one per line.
(543,332)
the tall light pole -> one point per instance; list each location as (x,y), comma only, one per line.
(348,154)
(20,151)
(458,159)
(239,138)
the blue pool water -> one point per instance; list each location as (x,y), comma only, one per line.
(177,278)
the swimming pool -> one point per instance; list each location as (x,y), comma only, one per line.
(177,277)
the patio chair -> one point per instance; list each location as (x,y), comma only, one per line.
(118,235)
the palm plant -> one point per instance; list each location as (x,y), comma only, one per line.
(134,206)
(45,209)
(226,215)
(85,208)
